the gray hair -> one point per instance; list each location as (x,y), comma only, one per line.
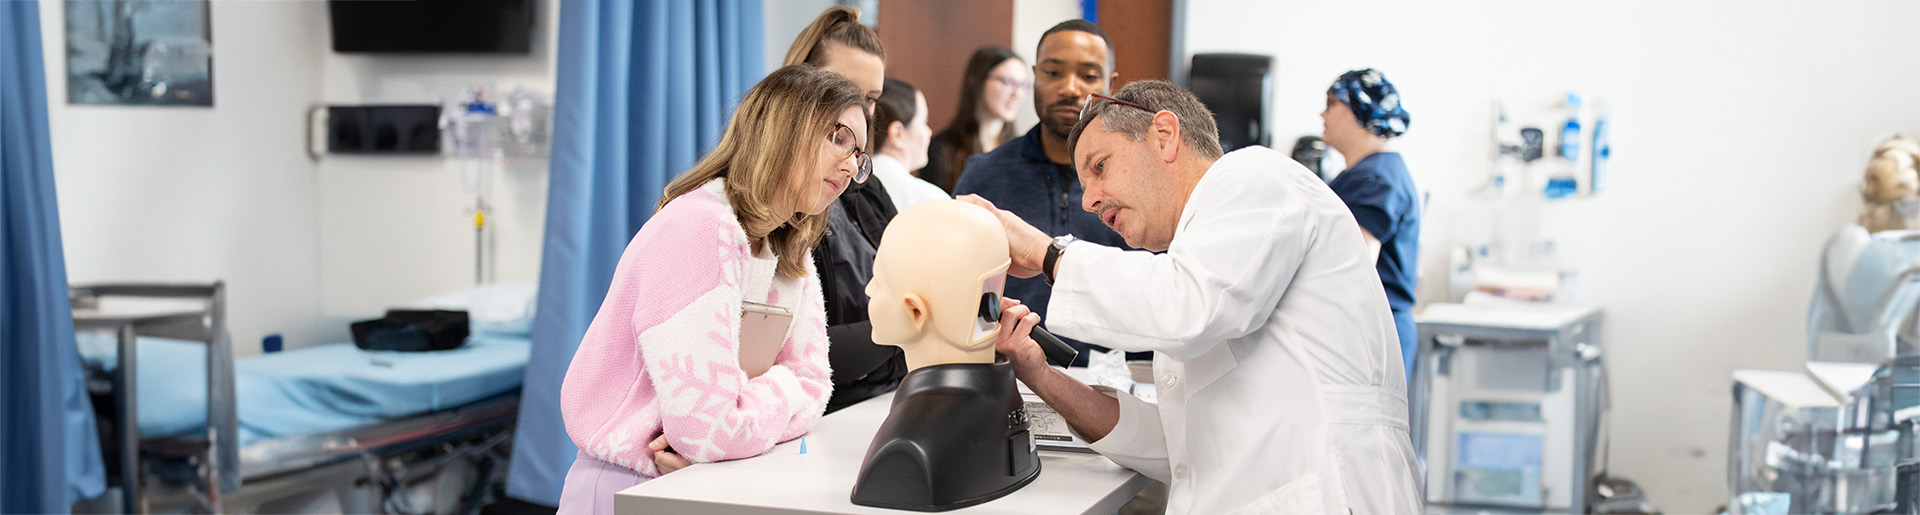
(1196,121)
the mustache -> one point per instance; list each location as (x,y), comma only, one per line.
(1074,103)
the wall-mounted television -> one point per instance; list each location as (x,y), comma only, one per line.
(432,26)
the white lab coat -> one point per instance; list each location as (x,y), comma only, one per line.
(1278,369)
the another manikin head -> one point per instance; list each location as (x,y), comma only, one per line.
(1892,186)
(936,262)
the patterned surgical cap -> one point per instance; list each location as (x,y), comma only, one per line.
(1374,102)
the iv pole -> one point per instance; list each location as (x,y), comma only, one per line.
(474,146)
(485,135)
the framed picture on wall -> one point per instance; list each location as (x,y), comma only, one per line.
(139,52)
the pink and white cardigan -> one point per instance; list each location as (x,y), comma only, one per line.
(662,354)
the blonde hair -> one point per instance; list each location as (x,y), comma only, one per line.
(1898,152)
(838,24)
(765,159)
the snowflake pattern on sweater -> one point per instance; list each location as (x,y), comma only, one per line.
(662,355)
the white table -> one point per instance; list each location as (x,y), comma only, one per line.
(821,481)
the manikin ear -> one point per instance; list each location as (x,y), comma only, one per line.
(1165,130)
(917,311)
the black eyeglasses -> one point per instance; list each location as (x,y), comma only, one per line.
(1091,97)
(847,142)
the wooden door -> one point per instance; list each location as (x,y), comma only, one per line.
(928,43)
(1142,32)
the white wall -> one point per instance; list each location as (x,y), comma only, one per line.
(1031,18)
(180,194)
(395,229)
(785,19)
(195,194)
(1741,130)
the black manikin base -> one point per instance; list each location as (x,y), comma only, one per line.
(956,437)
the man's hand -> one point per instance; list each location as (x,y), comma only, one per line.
(1088,412)
(665,459)
(1026,245)
(1015,340)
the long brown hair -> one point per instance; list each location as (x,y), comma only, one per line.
(765,159)
(961,138)
(838,24)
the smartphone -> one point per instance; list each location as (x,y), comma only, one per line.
(763,332)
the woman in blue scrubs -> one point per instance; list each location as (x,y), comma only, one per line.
(1363,114)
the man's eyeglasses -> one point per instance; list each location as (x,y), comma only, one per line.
(846,143)
(1092,97)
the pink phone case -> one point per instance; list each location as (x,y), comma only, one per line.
(763,331)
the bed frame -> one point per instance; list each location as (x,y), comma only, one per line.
(212,473)
(214,455)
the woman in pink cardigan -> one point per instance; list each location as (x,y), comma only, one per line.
(657,382)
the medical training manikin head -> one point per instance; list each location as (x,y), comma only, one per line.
(936,262)
(1892,186)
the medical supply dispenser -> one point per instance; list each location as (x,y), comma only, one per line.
(1508,404)
(383,129)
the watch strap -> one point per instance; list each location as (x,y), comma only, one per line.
(1052,260)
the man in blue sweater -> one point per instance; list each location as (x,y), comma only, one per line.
(1032,175)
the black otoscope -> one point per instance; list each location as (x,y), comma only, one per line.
(1057,351)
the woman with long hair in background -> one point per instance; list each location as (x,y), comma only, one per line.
(996,81)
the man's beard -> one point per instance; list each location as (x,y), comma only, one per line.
(1060,129)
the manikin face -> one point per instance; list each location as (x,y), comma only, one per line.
(834,164)
(1126,186)
(1006,86)
(889,302)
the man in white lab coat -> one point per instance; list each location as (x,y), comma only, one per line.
(1278,370)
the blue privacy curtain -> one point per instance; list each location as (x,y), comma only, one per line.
(645,89)
(49,452)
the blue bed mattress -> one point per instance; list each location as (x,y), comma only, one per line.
(321,388)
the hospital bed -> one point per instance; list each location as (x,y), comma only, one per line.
(328,428)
